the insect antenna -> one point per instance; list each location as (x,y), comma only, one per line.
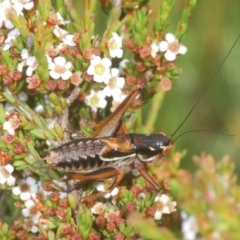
(204,91)
(203,130)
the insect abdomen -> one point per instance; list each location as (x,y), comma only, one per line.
(82,154)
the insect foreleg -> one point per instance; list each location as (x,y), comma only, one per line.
(137,164)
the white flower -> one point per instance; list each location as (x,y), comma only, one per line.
(96,100)
(155,49)
(122,66)
(29,61)
(23,96)
(29,203)
(101,187)
(117,101)
(115,45)
(114,85)
(59,68)
(9,107)
(61,20)
(27,212)
(172,47)
(62,195)
(39,109)
(99,68)
(36,217)
(20,5)
(148,74)
(31,212)
(164,205)
(6,175)
(158,215)
(189,226)
(30,226)
(68,40)
(12,35)
(98,208)
(24,54)
(5,7)
(142,195)
(26,189)
(59,32)
(8,127)
(32,65)
(41,190)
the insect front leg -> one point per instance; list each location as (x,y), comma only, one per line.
(97,175)
(137,164)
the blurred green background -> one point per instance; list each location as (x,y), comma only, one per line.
(213,28)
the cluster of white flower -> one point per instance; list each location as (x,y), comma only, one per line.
(28,190)
(5,7)
(63,35)
(59,67)
(164,205)
(100,70)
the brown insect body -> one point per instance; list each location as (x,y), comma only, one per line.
(87,155)
(108,152)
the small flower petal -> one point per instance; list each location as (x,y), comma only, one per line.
(172,47)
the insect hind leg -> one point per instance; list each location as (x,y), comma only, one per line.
(108,173)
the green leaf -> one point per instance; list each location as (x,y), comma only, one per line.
(2,114)
(58,130)
(40,123)
(19,164)
(32,150)
(54,99)
(49,134)
(9,97)
(38,133)
(72,201)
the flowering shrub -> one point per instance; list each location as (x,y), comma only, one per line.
(58,75)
